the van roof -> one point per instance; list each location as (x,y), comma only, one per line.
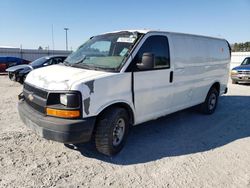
(144,31)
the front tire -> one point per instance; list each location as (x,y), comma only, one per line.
(22,79)
(12,76)
(210,104)
(112,131)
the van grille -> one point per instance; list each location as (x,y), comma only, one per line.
(35,97)
(35,106)
(36,91)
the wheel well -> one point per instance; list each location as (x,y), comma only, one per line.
(216,85)
(121,105)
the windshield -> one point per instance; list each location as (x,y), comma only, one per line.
(39,61)
(106,52)
(246,61)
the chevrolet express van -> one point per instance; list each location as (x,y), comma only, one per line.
(123,78)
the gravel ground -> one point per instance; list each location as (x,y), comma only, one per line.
(185,149)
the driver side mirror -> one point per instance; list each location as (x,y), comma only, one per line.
(147,62)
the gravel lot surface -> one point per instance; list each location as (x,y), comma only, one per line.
(185,149)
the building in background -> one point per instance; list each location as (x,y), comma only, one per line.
(33,54)
(29,54)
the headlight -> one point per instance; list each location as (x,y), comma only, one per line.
(233,72)
(64,105)
(71,100)
(63,99)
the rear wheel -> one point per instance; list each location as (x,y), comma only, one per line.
(111,131)
(210,104)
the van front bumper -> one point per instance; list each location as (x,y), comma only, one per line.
(67,131)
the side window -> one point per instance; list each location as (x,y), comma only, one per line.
(48,62)
(157,45)
(57,60)
(62,59)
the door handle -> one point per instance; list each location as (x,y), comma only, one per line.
(171,76)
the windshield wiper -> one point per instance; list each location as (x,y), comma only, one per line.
(99,67)
(92,67)
(85,66)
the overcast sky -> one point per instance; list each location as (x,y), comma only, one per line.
(29,22)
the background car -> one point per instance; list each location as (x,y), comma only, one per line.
(19,73)
(6,62)
(241,74)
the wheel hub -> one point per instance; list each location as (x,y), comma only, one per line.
(118,131)
(212,101)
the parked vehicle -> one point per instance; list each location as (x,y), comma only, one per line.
(123,78)
(241,74)
(18,73)
(6,62)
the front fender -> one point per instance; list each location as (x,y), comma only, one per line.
(118,102)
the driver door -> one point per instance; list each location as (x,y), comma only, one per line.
(153,89)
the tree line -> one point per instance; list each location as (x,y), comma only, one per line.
(241,47)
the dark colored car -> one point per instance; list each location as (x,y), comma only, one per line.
(19,73)
(241,74)
(6,62)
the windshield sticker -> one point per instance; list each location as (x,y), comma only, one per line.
(126,39)
(123,52)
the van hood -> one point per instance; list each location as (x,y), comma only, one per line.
(61,77)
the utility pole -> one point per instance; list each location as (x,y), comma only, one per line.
(52,34)
(21,51)
(66,30)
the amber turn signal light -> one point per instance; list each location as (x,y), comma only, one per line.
(63,113)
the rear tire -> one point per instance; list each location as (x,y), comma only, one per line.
(112,131)
(210,104)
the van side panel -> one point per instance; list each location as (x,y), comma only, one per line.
(198,63)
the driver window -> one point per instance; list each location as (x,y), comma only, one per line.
(157,45)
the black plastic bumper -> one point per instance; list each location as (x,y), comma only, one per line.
(57,129)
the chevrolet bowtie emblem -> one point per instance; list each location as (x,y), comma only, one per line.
(30,97)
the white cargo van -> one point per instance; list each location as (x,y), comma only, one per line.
(123,78)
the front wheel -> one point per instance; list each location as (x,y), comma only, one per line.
(22,79)
(12,76)
(210,104)
(112,131)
